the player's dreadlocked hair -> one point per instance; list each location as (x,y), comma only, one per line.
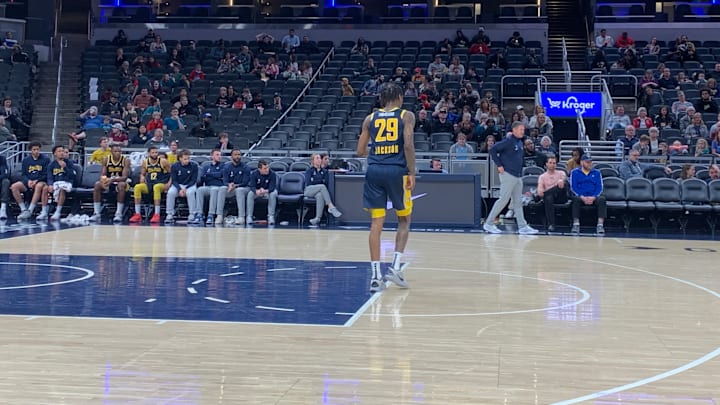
(389,93)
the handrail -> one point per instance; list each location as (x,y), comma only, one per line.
(566,66)
(321,67)
(57,91)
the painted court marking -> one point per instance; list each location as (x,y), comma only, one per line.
(88,274)
(274,308)
(282,269)
(232,274)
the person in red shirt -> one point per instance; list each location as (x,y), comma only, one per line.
(625,41)
(197,73)
(155,123)
(117,135)
(142,100)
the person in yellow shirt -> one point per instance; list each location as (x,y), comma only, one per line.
(172,154)
(97,157)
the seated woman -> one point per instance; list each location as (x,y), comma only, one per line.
(317,178)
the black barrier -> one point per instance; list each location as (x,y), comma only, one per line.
(438,200)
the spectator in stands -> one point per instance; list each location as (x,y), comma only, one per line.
(141,137)
(714,129)
(551,188)
(686,120)
(422,123)
(157,90)
(400,76)
(491,129)
(515,41)
(244,60)
(574,161)
(158,140)
(629,59)
(306,72)
(307,46)
(174,121)
(258,103)
(598,61)
(88,119)
(228,64)
(712,86)
(681,105)
(118,135)
(441,123)
(460,149)
(471,76)
(111,105)
(263,184)
(696,129)
(204,128)
(410,93)
(701,147)
(625,41)
(649,144)
(361,47)
(271,69)
(642,121)
(619,119)
(218,51)
(604,40)
(157,47)
(479,48)
(713,173)
(687,172)
(13,115)
(155,122)
(652,47)
(461,41)
(347,89)
(100,153)
(437,67)
(533,60)
(587,185)
(371,87)
(290,42)
(624,144)
(706,104)
(497,60)
(223,101)
(224,145)
(368,69)
(197,73)
(481,37)
(119,58)
(542,124)
(664,119)
(546,147)
(6,133)
(120,39)
(487,144)
(530,156)
(142,100)
(682,78)
(146,41)
(677,148)
(537,110)
(666,81)
(175,57)
(630,167)
(132,121)
(499,119)
(456,67)
(288,73)
(444,47)
(649,80)
(466,127)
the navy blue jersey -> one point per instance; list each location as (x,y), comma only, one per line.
(35,169)
(237,174)
(212,174)
(59,173)
(387,143)
(155,172)
(115,169)
(184,175)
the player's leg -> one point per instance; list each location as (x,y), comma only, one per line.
(402,202)
(272,203)
(220,204)
(121,189)
(241,201)
(18,190)
(517,206)
(44,200)
(170,205)
(200,195)
(250,206)
(375,201)
(192,194)
(97,200)
(138,192)
(158,190)
(59,195)
(4,197)
(506,188)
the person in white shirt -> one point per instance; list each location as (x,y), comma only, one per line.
(603,40)
(551,188)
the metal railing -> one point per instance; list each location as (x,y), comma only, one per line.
(601,151)
(56,112)
(566,66)
(596,82)
(299,97)
(608,107)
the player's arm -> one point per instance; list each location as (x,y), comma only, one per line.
(409,141)
(364,141)
(143,171)
(103,170)
(125,173)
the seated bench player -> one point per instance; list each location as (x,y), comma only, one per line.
(114,179)
(155,177)
(34,177)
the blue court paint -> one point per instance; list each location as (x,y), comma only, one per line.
(188,289)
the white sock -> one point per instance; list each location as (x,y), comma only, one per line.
(157,210)
(23,206)
(120,208)
(44,209)
(3,206)
(376,274)
(397,256)
(97,207)
(58,209)
(31,207)
(137,209)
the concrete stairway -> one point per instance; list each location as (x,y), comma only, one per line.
(45,89)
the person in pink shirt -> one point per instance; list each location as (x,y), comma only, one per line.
(552,190)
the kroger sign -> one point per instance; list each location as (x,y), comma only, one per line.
(569,104)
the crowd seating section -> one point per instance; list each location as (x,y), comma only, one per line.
(244,127)
(17,82)
(327,120)
(658,200)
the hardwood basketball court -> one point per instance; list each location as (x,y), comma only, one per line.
(489,319)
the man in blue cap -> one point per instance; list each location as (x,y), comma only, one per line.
(587,186)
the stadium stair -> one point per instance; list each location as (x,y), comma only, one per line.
(563,21)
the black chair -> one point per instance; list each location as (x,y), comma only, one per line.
(668,200)
(639,194)
(290,192)
(608,172)
(532,170)
(696,200)
(654,172)
(299,167)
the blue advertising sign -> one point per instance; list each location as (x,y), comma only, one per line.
(568,104)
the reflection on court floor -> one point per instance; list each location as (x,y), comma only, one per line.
(189,289)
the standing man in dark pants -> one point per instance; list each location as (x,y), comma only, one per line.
(508,156)
(587,185)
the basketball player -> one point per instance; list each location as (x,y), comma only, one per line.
(388,133)
(155,176)
(114,176)
(34,176)
(60,176)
